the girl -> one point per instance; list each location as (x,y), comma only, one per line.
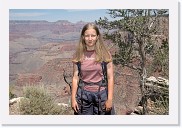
(92,83)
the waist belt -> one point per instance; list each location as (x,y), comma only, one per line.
(100,83)
(93,88)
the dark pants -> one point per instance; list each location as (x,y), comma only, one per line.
(89,103)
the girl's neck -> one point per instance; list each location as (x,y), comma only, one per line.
(90,48)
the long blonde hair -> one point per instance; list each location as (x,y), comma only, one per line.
(102,53)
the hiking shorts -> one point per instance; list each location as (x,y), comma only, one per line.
(90,103)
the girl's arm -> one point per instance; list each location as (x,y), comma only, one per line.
(110,77)
(74,88)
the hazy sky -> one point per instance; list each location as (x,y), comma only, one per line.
(52,15)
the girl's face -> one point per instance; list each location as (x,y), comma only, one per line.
(90,37)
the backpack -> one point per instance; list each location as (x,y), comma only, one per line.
(104,71)
(104,82)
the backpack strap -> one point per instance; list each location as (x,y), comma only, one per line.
(79,68)
(79,73)
(104,71)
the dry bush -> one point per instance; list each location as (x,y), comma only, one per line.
(38,102)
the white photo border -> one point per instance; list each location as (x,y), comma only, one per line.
(171,119)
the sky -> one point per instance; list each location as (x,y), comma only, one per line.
(52,15)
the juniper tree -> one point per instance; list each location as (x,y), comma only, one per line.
(134,32)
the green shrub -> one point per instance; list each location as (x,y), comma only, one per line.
(38,102)
(161,59)
(11,94)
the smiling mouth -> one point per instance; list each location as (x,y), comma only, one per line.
(89,42)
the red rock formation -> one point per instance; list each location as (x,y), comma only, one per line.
(28,79)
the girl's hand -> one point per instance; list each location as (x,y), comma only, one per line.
(74,105)
(108,105)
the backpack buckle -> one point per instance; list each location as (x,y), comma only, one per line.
(104,82)
(80,84)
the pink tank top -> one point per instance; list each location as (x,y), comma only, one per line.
(91,70)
